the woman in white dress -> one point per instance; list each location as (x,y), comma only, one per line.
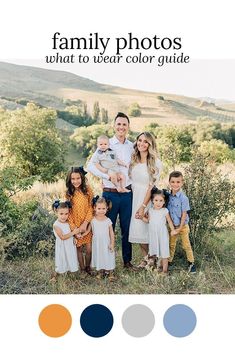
(145,170)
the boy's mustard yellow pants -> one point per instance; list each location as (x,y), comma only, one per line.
(184,237)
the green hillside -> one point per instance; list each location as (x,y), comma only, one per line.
(51,88)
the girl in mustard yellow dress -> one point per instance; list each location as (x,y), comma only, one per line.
(80,195)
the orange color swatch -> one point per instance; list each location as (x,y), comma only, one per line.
(55,320)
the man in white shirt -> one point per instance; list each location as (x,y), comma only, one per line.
(121,202)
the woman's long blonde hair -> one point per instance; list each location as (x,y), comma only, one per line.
(151,156)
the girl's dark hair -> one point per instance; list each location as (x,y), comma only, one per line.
(164,193)
(57,204)
(70,188)
(102,199)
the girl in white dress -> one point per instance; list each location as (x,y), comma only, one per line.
(145,170)
(103,255)
(157,217)
(65,249)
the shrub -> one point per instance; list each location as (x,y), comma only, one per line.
(217,149)
(10,184)
(74,115)
(9,214)
(134,110)
(33,234)
(212,200)
(175,144)
(26,228)
(152,126)
(30,141)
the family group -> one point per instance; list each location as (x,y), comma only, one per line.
(153,218)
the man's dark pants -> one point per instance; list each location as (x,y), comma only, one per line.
(122,206)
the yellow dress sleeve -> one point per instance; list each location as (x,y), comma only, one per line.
(71,222)
(70,218)
(89,214)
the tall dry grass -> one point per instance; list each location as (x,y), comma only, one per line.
(214,276)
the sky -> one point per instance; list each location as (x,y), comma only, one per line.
(200,78)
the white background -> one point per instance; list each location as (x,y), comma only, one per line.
(214,331)
(207,29)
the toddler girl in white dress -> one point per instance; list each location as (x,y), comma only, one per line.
(65,249)
(157,217)
(103,255)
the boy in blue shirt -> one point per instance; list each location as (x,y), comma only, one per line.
(178,206)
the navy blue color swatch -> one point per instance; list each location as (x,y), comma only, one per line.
(96,320)
(179,320)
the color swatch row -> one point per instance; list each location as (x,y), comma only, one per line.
(97,320)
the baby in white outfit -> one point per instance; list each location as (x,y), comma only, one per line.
(105,159)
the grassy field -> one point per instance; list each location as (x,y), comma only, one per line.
(215,275)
